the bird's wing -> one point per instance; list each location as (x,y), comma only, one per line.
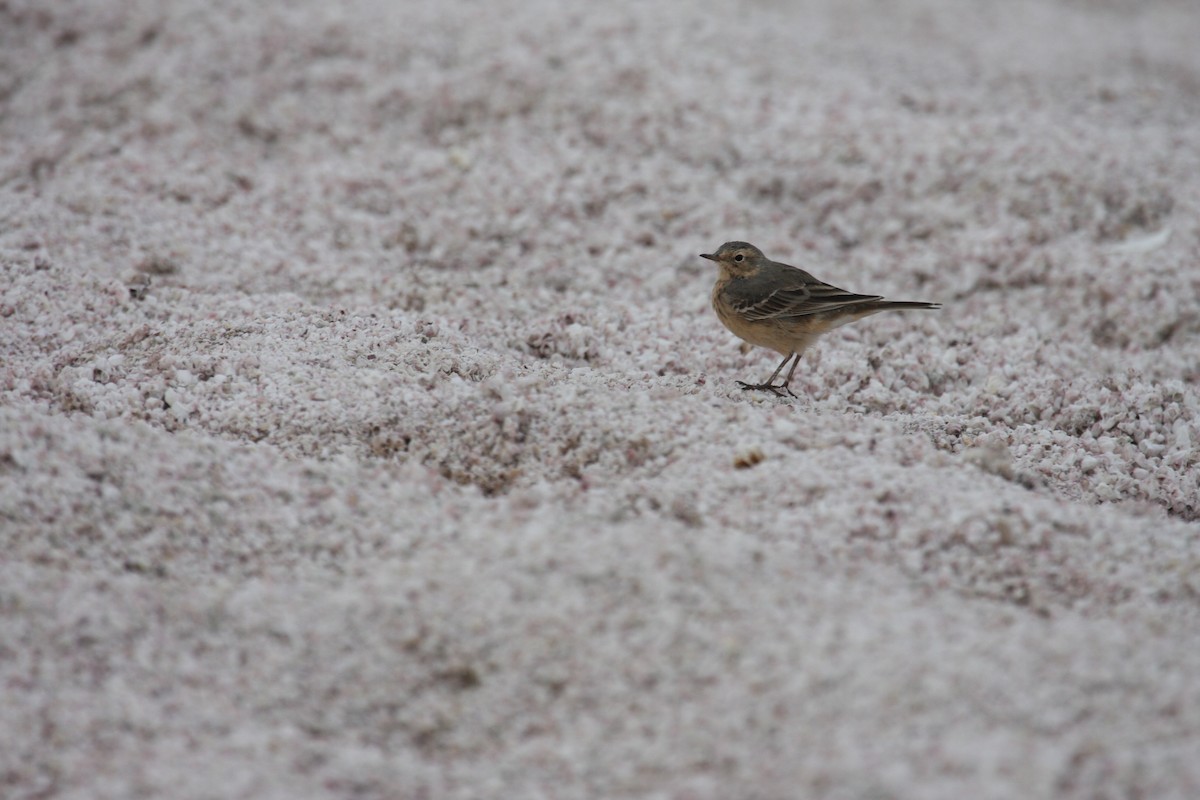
(801,295)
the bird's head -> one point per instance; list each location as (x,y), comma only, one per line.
(739,258)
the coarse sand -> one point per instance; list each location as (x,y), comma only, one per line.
(365,430)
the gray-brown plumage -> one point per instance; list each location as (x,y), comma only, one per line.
(783,308)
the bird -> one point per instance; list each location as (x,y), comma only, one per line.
(784,308)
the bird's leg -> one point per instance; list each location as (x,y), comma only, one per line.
(791,372)
(769,385)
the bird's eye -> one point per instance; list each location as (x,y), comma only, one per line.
(739,257)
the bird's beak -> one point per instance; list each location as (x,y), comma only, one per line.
(709,256)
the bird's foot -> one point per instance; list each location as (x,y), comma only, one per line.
(779,391)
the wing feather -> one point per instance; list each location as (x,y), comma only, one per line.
(795,300)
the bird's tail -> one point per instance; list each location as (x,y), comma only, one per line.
(860,310)
(898,305)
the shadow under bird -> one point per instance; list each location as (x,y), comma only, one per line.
(783,308)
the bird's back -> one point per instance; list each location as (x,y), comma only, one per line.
(780,291)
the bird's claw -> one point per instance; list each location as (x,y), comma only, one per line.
(778,391)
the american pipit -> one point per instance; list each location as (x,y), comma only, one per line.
(783,308)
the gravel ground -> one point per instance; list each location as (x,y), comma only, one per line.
(365,430)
